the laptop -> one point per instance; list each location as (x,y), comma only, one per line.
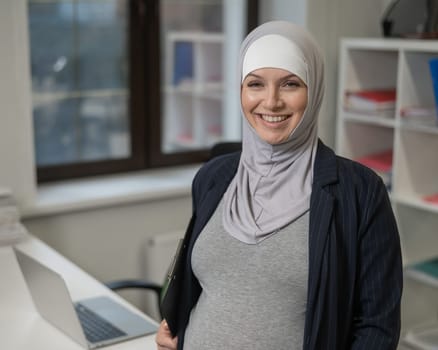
(92,322)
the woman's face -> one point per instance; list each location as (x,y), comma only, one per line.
(273,101)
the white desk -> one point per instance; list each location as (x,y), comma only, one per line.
(22,328)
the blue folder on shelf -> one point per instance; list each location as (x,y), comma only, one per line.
(433,66)
(183,62)
(429,267)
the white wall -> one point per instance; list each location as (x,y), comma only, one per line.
(109,241)
(16,138)
(287,10)
(234,30)
(328,21)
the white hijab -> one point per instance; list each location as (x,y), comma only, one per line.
(273,183)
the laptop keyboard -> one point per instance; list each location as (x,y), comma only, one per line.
(96,329)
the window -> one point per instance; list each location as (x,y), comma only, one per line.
(120,85)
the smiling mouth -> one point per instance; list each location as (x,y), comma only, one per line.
(274,118)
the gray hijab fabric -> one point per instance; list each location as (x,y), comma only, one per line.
(273,183)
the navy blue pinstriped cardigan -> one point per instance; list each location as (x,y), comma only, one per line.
(355,268)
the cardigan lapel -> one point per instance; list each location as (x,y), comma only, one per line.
(216,188)
(321,211)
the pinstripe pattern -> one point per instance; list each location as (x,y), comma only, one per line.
(355,270)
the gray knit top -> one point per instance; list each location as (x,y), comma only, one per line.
(253,296)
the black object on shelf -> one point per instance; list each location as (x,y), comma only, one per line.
(411,19)
(387,22)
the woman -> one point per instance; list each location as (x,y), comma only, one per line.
(291,247)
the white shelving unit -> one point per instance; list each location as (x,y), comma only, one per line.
(404,65)
(193,92)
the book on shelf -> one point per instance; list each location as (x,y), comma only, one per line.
(380,161)
(433,68)
(425,271)
(431,198)
(374,101)
(11,228)
(183,62)
(429,267)
(6,197)
(420,115)
(418,111)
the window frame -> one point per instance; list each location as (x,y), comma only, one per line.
(145,100)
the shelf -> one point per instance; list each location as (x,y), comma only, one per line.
(416,163)
(416,202)
(44,98)
(424,271)
(372,64)
(351,116)
(362,137)
(415,83)
(182,144)
(193,92)
(423,337)
(209,90)
(357,73)
(430,128)
(396,45)
(197,36)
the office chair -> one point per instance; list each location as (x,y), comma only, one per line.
(221,148)
(118,285)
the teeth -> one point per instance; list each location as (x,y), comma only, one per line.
(274,119)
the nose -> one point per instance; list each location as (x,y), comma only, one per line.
(273,99)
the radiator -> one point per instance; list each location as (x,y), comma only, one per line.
(158,254)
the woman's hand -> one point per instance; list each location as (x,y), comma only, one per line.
(164,339)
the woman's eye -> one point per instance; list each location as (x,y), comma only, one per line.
(292,83)
(254,84)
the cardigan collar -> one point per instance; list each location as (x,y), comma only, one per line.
(325,171)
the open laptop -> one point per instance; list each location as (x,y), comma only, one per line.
(93,322)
